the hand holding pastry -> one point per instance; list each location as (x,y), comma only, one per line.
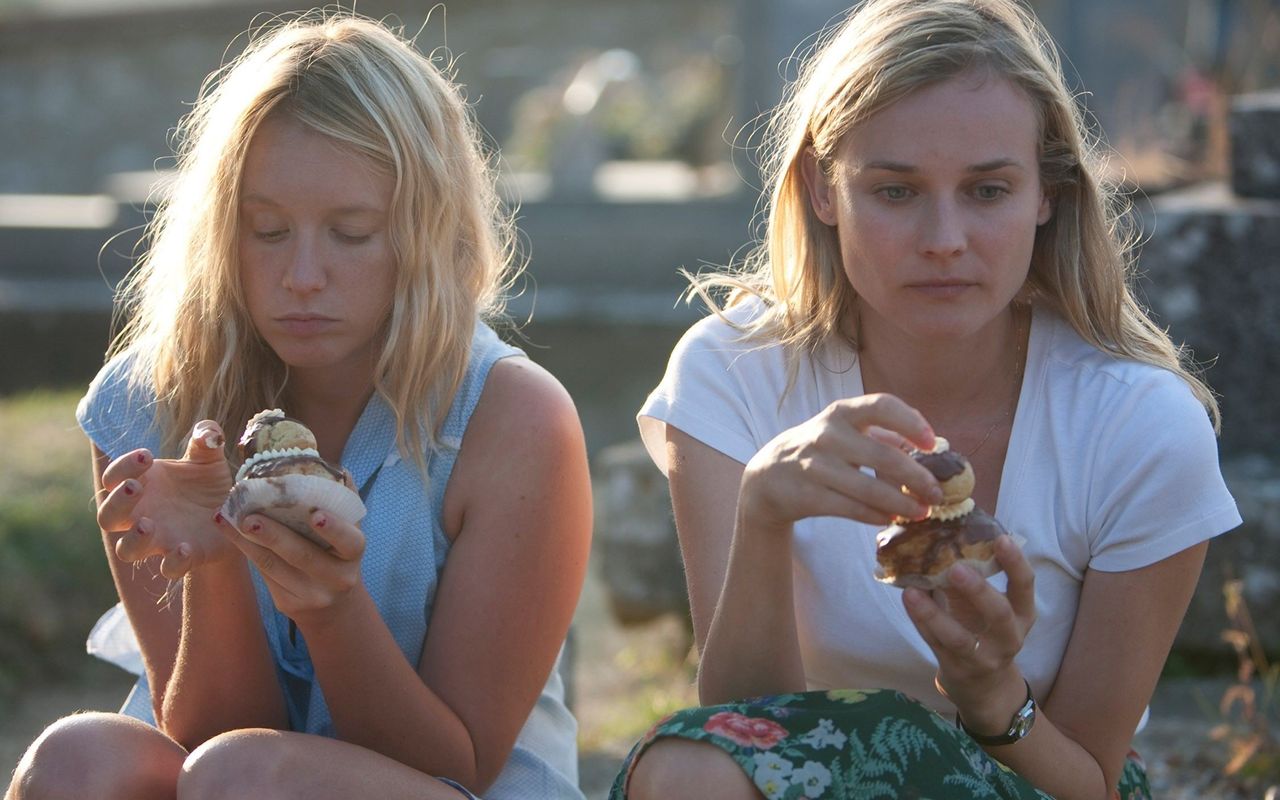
(816,468)
(283,477)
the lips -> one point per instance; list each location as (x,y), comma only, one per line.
(304,324)
(941,288)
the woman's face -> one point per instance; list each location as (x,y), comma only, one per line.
(316,260)
(936,200)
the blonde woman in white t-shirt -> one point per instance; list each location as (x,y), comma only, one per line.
(941,258)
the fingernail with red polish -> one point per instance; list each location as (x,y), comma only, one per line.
(320,520)
(128,489)
(142,458)
(254,526)
(218,519)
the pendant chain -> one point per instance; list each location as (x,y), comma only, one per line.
(1017,381)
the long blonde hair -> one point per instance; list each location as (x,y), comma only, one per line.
(188,330)
(1081,264)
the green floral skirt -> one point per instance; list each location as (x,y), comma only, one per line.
(853,744)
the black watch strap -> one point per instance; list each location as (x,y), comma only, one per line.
(1019,726)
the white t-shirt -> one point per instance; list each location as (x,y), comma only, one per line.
(1112,465)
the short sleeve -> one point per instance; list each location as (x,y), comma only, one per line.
(116,416)
(703,392)
(1156,488)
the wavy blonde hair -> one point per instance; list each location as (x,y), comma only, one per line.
(188,329)
(1081,265)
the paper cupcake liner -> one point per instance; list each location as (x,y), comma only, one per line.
(290,499)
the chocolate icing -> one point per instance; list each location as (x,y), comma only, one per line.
(898,548)
(291,465)
(944,465)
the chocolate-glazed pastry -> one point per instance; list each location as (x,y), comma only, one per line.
(921,553)
(284,477)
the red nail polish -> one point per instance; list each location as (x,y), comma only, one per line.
(218,518)
(129,490)
(321,520)
(255,526)
(142,458)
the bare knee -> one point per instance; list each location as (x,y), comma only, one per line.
(97,755)
(242,763)
(681,768)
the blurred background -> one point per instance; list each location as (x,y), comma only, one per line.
(627,132)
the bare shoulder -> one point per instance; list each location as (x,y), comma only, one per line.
(519,393)
(522,438)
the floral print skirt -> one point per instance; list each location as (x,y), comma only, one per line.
(853,744)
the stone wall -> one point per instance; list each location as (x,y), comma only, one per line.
(1211,271)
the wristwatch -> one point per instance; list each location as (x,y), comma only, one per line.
(1019,726)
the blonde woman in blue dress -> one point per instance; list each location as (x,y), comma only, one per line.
(332,246)
(941,259)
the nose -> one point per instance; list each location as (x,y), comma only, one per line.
(305,273)
(942,232)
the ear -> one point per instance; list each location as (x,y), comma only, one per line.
(1046,209)
(821,195)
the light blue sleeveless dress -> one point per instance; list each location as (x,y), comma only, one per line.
(405,552)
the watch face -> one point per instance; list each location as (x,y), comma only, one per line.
(1023,720)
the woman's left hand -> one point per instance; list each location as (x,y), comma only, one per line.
(304,578)
(975,632)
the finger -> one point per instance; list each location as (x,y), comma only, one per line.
(137,543)
(177,562)
(886,436)
(995,618)
(130,465)
(889,413)
(946,637)
(206,443)
(117,509)
(884,498)
(345,540)
(897,468)
(254,531)
(282,543)
(1021,587)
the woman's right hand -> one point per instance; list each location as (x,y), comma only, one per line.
(168,507)
(815,468)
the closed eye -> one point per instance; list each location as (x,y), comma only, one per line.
(270,236)
(351,238)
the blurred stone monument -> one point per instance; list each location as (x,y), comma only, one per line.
(1211,273)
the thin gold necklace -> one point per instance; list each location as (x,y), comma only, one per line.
(1017,380)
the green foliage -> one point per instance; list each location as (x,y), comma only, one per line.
(53,579)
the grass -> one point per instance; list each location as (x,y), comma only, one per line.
(53,577)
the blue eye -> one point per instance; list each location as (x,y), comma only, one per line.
(896,193)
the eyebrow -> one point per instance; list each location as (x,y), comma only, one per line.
(358,208)
(985,166)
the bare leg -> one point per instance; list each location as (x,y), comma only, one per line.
(681,768)
(277,765)
(98,755)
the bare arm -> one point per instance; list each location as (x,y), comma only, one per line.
(1124,627)
(208,664)
(155,618)
(519,503)
(735,523)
